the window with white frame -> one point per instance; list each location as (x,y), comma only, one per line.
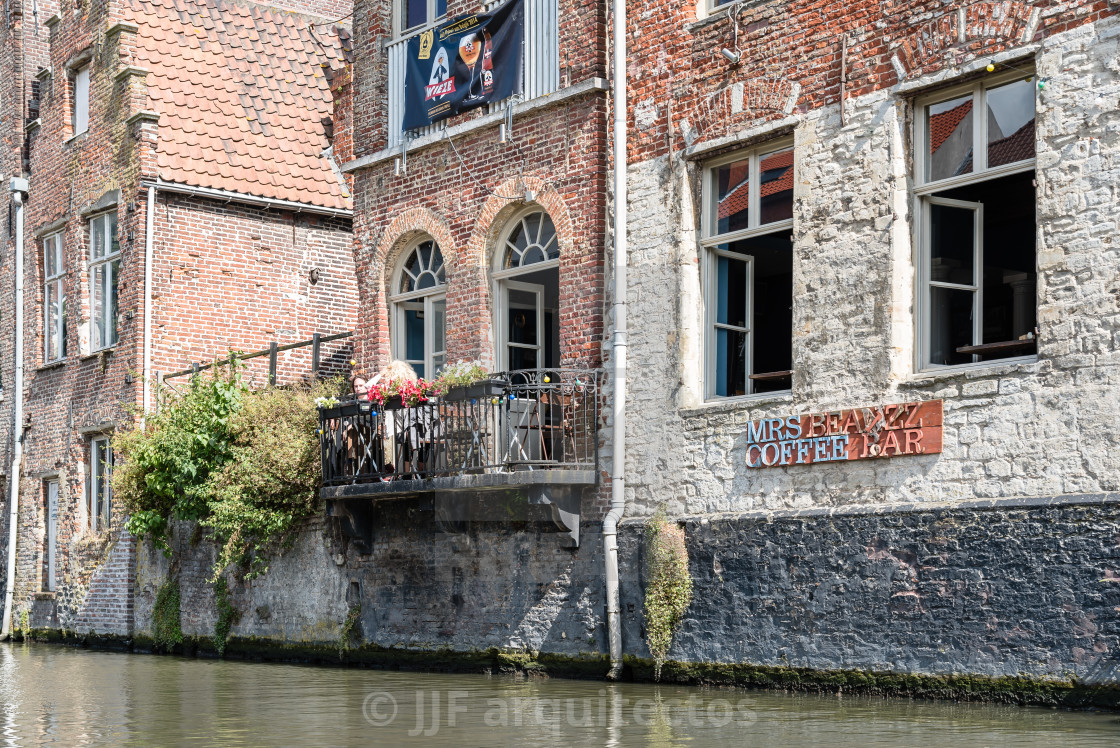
(104,267)
(420,310)
(416,14)
(975,205)
(100,491)
(54,300)
(748,272)
(80,111)
(527,290)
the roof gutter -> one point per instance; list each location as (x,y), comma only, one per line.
(246,199)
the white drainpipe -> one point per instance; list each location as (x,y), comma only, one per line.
(18,188)
(149,252)
(618,347)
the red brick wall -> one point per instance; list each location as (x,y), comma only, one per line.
(225,276)
(792,50)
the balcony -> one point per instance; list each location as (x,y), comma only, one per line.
(531,433)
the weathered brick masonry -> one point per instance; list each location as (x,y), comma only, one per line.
(230,272)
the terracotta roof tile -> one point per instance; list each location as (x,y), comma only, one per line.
(242,97)
(942,125)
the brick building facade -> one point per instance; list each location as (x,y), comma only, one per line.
(210,128)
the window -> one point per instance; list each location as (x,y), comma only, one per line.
(54,300)
(420,310)
(527,277)
(104,265)
(100,486)
(414,14)
(50,491)
(975,201)
(748,272)
(80,119)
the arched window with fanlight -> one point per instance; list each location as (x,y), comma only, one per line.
(419,309)
(527,291)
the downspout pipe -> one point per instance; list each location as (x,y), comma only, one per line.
(18,188)
(149,252)
(618,347)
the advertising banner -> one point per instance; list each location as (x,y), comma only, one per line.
(463,64)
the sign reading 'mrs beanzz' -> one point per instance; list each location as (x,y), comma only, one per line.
(855,434)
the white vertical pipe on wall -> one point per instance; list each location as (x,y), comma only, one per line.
(618,347)
(18,188)
(149,253)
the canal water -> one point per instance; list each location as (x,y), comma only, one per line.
(51,695)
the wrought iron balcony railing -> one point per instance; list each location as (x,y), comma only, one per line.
(515,421)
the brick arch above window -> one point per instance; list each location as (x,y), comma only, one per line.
(497,211)
(402,233)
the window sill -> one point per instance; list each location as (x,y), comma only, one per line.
(98,353)
(75,138)
(742,402)
(52,365)
(984,369)
(489,120)
(720,12)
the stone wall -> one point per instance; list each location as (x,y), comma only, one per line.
(1024,429)
(1006,587)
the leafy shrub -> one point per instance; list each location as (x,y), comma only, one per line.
(163,468)
(244,464)
(668,586)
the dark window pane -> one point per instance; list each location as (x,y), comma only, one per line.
(950,325)
(522,358)
(773,309)
(1011,123)
(776,185)
(416,13)
(949,130)
(731,292)
(952,244)
(413,334)
(733,196)
(441,8)
(731,367)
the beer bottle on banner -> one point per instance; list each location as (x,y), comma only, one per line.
(487,64)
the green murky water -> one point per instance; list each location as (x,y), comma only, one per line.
(57,696)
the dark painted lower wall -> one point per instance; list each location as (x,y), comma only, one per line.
(1024,588)
(998,588)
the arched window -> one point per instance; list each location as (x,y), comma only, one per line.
(419,309)
(527,291)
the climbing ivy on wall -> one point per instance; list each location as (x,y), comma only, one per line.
(668,586)
(167,631)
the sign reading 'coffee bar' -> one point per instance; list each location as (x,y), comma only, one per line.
(855,434)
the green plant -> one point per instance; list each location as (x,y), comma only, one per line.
(166,628)
(349,626)
(25,625)
(460,375)
(271,482)
(164,467)
(243,464)
(668,586)
(228,615)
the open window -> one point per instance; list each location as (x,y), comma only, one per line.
(527,284)
(748,272)
(419,304)
(975,202)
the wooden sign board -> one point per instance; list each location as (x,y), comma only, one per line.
(855,434)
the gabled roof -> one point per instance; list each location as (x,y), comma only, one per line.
(944,124)
(244,101)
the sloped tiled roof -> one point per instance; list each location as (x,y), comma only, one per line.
(942,125)
(738,199)
(243,98)
(1018,146)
